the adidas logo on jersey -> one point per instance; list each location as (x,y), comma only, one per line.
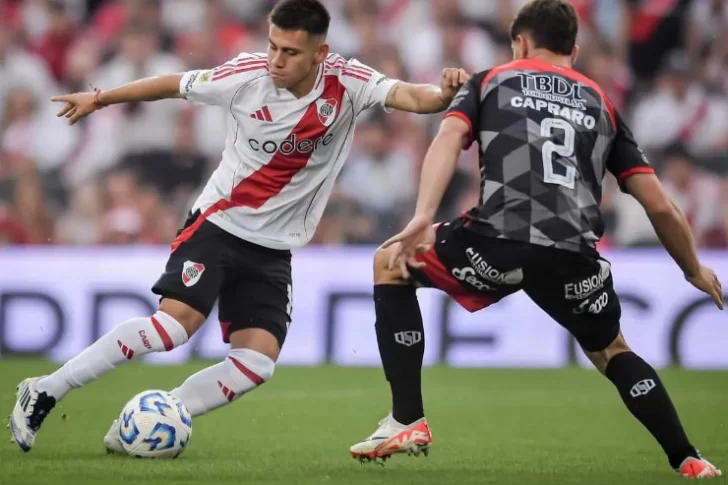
(263,114)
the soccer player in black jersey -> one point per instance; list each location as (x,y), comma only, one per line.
(547,135)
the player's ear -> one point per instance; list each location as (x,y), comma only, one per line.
(322,52)
(516,48)
(574,54)
(523,47)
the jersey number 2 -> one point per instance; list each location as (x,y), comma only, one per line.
(564,150)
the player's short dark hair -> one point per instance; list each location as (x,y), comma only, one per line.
(307,15)
(552,24)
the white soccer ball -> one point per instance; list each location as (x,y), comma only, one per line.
(155,424)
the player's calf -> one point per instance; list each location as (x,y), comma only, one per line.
(647,399)
(128,340)
(241,372)
(250,363)
(400,336)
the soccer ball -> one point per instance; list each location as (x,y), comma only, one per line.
(155,424)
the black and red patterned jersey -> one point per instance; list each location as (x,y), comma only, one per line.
(547,135)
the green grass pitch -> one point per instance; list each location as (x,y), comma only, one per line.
(490,427)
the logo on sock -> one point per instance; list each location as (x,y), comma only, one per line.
(229,395)
(191,273)
(642,388)
(145,340)
(128,353)
(408,338)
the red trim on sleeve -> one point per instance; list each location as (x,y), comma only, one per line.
(461,116)
(633,171)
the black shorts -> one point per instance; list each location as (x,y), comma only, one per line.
(575,289)
(252,283)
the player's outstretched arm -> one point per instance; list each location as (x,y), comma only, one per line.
(439,164)
(80,105)
(427,98)
(437,171)
(674,232)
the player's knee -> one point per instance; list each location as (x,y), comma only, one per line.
(189,318)
(260,340)
(601,358)
(382,274)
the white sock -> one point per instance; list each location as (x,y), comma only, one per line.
(215,386)
(126,341)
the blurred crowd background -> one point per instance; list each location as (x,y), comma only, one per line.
(129,173)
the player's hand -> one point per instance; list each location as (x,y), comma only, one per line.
(78,105)
(452,80)
(707,281)
(417,238)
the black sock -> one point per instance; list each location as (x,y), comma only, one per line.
(647,399)
(401,339)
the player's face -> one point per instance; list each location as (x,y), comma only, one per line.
(293,55)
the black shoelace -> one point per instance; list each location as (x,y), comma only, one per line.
(41,408)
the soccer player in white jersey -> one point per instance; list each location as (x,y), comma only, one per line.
(291,117)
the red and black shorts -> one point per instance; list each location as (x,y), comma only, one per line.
(575,289)
(251,284)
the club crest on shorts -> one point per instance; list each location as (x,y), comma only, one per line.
(326,111)
(192,272)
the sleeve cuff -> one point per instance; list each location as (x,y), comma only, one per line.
(458,114)
(382,91)
(633,171)
(187,81)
